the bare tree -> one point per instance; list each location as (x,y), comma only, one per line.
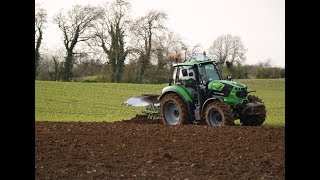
(221,48)
(51,64)
(265,64)
(238,50)
(144,29)
(40,20)
(110,33)
(57,68)
(168,47)
(76,27)
(228,48)
(56,62)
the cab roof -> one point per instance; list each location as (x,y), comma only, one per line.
(191,63)
(196,59)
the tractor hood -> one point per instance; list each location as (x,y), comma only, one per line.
(231,92)
(218,85)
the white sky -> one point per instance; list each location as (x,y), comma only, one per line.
(259,23)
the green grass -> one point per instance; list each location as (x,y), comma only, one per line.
(76,101)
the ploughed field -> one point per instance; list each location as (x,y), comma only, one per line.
(144,149)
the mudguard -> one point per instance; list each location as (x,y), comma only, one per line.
(179,90)
(207,102)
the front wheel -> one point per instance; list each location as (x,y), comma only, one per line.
(173,110)
(219,114)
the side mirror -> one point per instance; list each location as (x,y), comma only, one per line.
(184,72)
(229,78)
(228,64)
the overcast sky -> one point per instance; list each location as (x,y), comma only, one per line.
(259,23)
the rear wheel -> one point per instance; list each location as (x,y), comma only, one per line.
(173,110)
(219,114)
(257,119)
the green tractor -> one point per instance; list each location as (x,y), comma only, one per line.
(197,94)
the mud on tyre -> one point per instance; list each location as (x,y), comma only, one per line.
(173,110)
(219,114)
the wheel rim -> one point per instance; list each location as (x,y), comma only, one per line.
(171,113)
(215,118)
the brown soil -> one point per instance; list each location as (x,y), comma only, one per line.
(145,149)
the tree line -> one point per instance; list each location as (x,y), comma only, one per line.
(105,44)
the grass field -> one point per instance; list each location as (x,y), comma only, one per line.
(75,101)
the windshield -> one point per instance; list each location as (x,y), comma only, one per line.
(208,73)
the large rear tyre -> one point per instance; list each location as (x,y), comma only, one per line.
(173,110)
(219,114)
(257,119)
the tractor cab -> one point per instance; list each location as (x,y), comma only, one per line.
(198,65)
